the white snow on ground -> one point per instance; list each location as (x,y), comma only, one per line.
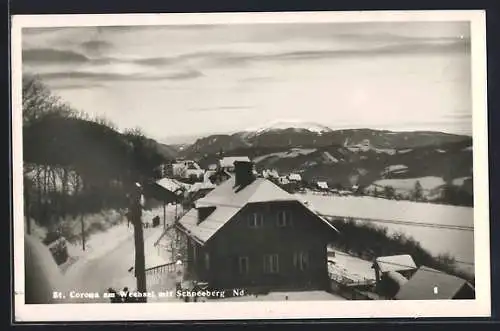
(458,243)
(467,149)
(403,151)
(459,181)
(428,183)
(330,157)
(151,253)
(98,244)
(384,209)
(152,259)
(390,151)
(396,167)
(351,267)
(292,296)
(294,152)
(37,230)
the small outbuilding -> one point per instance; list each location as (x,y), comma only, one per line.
(428,284)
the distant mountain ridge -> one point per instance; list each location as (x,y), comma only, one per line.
(310,135)
(366,157)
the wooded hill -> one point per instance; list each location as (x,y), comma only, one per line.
(74,164)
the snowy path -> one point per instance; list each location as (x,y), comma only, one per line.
(97,274)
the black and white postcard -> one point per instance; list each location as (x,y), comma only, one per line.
(250,166)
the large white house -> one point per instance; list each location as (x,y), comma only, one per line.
(187,169)
(227,163)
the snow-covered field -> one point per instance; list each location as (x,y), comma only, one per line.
(294,152)
(408,184)
(458,242)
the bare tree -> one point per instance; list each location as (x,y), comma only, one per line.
(38,100)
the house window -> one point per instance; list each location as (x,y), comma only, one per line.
(243,264)
(256,220)
(301,260)
(271,264)
(284,218)
(207,261)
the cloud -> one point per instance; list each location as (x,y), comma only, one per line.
(222,108)
(111,77)
(96,46)
(396,49)
(48,55)
(191,74)
(156,61)
(75,86)
(236,58)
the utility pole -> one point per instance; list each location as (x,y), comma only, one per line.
(164,215)
(82,222)
(136,219)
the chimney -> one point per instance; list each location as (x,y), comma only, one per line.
(243,173)
(203,213)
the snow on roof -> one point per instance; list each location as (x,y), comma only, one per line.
(395,263)
(396,167)
(428,283)
(294,177)
(208,174)
(283,180)
(322,185)
(228,200)
(170,184)
(228,161)
(201,186)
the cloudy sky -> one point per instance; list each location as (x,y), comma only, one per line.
(191,80)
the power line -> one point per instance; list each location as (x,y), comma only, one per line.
(409,223)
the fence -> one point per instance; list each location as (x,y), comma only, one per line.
(351,291)
(164,274)
(161,275)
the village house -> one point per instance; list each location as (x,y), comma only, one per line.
(187,169)
(283,180)
(217,177)
(322,185)
(249,233)
(427,284)
(294,177)
(267,173)
(227,163)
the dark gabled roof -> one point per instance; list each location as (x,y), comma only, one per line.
(421,285)
(229,200)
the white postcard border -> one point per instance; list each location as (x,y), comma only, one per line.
(480,307)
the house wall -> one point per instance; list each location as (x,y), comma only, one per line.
(237,239)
